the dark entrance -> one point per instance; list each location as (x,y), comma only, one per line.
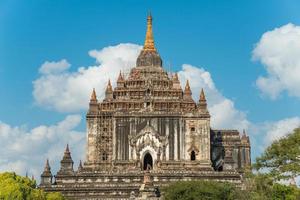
(193,155)
(148,161)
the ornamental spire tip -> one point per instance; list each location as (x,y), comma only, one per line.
(149,41)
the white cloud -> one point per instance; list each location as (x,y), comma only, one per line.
(278,50)
(24,150)
(65,91)
(266,132)
(224,115)
(276,130)
(54,67)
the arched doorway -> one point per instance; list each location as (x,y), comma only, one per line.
(147,161)
(193,155)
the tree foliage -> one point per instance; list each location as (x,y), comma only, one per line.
(256,187)
(17,187)
(54,196)
(281,160)
(263,187)
(204,190)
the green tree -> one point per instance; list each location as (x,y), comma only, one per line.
(281,160)
(256,187)
(204,190)
(54,196)
(263,187)
(17,187)
(285,192)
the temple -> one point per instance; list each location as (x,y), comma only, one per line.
(146,133)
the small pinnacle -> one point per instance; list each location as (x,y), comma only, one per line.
(244,132)
(188,83)
(187,88)
(109,87)
(120,78)
(176,77)
(47,165)
(80,165)
(67,148)
(94,96)
(202,95)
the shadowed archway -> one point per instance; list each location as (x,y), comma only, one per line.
(147,161)
(193,155)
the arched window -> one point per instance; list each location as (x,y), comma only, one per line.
(193,155)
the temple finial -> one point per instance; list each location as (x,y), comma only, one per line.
(244,135)
(149,41)
(120,78)
(47,166)
(109,91)
(202,95)
(80,166)
(175,77)
(202,106)
(187,94)
(187,88)
(109,87)
(94,96)
(46,176)
(67,148)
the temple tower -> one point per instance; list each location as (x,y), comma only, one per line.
(46,177)
(198,132)
(66,164)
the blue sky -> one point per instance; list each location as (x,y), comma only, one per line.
(218,36)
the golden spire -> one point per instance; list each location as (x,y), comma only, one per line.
(149,41)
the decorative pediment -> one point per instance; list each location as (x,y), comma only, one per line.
(148,129)
(148,136)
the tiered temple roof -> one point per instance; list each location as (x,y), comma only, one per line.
(148,86)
